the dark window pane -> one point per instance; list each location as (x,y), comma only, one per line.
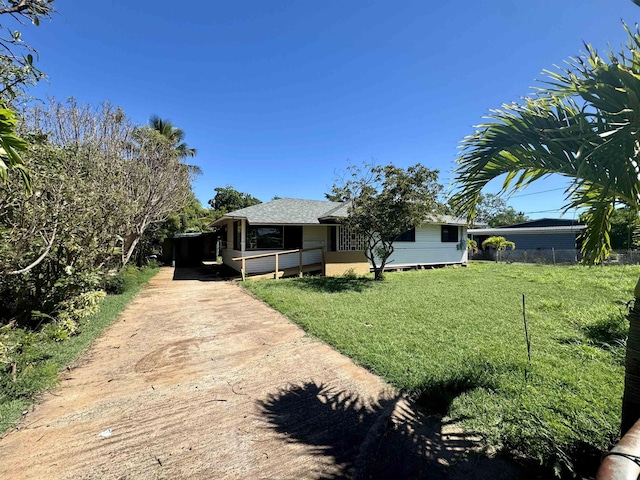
(449,233)
(408,236)
(237,235)
(264,237)
(292,238)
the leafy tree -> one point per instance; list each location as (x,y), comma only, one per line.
(583,124)
(385,202)
(500,244)
(228,199)
(17,69)
(494,211)
(625,229)
(10,146)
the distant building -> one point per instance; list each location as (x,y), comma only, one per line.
(550,238)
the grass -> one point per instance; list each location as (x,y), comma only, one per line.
(454,339)
(44,358)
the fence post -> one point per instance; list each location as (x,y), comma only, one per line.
(300,263)
(553,252)
(276,266)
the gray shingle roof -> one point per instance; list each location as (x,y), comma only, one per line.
(286,211)
(296,211)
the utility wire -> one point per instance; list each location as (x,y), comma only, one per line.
(536,193)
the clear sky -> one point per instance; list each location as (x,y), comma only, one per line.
(277,95)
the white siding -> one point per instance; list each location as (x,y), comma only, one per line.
(428,249)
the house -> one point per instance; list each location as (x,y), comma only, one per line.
(553,239)
(254,235)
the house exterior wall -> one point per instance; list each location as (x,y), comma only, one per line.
(312,236)
(341,263)
(543,241)
(428,249)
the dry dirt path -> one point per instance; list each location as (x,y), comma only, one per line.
(197,379)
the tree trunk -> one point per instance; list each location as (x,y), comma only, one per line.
(631,398)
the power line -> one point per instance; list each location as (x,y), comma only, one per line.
(536,193)
(545,211)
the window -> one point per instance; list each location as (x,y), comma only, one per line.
(237,235)
(408,236)
(265,237)
(292,237)
(449,233)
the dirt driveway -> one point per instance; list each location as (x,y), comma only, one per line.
(197,379)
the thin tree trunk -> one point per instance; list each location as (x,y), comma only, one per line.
(631,398)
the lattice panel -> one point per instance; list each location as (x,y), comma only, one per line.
(349,240)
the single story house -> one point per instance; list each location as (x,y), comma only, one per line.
(551,238)
(253,236)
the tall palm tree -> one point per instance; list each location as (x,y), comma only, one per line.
(174,134)
(176,139)
(584,124)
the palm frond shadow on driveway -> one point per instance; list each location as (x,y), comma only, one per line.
(387,438)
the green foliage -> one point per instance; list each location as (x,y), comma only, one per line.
(10,146)
(494,211)
(468,358)
(625,229)
(499,243)
(386,201)
(228,199)
(583,124)
(18,70)
(30,360)
(90,170)
(175,136)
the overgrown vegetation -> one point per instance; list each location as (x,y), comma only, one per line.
(454,339)
(30,358)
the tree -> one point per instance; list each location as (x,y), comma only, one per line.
(584,124)
(494,211)
(174,135)
(228,199)
(625,229)
(10,146)
(18,70)
(385,202)
(499,243)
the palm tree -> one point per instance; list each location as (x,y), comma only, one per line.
(176,139)
(584,124)
(499,243)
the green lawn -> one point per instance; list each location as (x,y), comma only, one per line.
(454,338)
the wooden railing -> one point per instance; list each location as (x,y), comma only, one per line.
(277,255)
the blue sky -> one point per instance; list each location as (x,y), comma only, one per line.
(277,95)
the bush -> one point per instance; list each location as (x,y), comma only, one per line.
(127,278)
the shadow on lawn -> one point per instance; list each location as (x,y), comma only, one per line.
(391,437)
(334,284)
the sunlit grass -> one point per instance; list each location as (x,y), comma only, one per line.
(455,338)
